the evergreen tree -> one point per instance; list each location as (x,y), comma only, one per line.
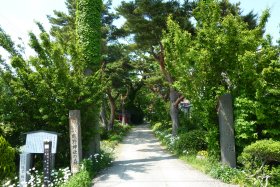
(145,20)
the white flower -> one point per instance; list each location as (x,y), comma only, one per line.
(7,183)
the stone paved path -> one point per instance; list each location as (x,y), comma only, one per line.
(142,162)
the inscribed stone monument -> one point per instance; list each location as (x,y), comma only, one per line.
(227,141)
(75,139)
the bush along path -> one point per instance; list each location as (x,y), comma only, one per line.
(141,161)
(258,159)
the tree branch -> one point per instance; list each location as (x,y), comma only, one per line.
(179,99)
(157,91)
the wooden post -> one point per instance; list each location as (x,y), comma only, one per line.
(75,139)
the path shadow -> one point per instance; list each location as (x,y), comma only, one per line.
(123,167)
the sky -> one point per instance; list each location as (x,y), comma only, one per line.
(17,16)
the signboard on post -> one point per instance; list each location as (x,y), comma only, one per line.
(75,139)
(35,141)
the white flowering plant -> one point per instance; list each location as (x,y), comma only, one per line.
(58,177)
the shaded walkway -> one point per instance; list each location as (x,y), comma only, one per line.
(142,162)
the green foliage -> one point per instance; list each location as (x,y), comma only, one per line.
(38,92)
(160,126)
(116,134)
(89,168)
(217,170)
(192,141)
(261,152)
(88,26)
(268,98)
(82,179)
(261,162)
(245,123)
(184,143)
(7,159)
(207,164)
(202,153)
(146,19)
(224,173)
(209,64)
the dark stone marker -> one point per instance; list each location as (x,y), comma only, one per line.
(47,162)
(227,141)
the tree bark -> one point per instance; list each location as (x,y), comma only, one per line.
(123,98)
(123,113)
(103,114)
(94,145)
(174,112)
(174,96)
(112,114)
(90,123)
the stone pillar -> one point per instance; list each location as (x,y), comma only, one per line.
(24,166)
(47,162)
(75,139)
(227,141)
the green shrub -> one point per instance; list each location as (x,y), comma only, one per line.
(7,156)
(191,141)
(202,153)
(224,172)
(260,152)
(89,168)
(261,162)
(215,168)
(82,179)
(161,126)
(117,134)
(275,176)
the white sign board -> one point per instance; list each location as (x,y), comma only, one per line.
(35,141)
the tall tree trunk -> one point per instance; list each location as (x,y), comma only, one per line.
(94,145)
(103,114)
(123,112)
(174,96)
(112,113)
(88,13)
(123,98)
(174,112)
(90,124)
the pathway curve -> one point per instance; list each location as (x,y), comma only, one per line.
(142,162)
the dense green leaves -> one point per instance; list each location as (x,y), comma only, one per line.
(7,165)
(263,151)
(88,25)
(224,57)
